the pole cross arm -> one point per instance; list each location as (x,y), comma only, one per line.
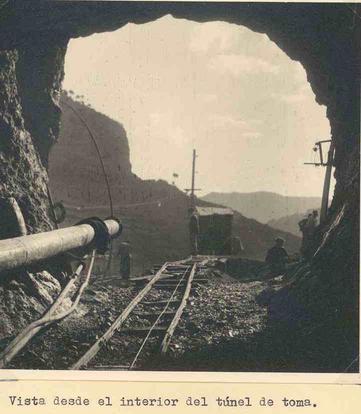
(26,250)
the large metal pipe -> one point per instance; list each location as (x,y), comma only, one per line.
(26,250)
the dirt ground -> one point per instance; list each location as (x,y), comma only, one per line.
(222,309)
(240,323)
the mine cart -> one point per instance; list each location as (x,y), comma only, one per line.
(211,231)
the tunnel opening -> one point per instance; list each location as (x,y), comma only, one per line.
(177,85)
(212,50)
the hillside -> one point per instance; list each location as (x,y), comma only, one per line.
(289,223)
(264,206)
(154,213)
(74,167)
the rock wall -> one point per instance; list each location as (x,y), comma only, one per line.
(41,65)
(22,174)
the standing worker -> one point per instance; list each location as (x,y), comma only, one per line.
(312,222)
(305,237)
(236,246)
(308,227)
(277,258)
(193,232)
(125,260)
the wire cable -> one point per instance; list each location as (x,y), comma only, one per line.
(98,153)
(111,207)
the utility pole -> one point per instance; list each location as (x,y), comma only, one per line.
(193,179)
(326,184)
(193,189)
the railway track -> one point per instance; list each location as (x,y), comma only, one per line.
(142,330)
(146,326)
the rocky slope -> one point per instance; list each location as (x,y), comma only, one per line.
(74,168)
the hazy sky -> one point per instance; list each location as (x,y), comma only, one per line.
(222,89)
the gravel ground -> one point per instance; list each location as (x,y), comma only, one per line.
(222,309)
(63,343)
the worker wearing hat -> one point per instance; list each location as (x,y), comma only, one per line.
(277,258)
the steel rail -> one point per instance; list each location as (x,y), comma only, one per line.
(26,250)
(170,331)
(94,349)
(54,314)
(158,319)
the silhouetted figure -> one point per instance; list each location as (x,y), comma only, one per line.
(277,258)
(308,228)
(194,233)
(303,229)
(236,246)
(125,260)
(312,222)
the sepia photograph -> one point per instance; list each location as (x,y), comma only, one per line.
(179,186)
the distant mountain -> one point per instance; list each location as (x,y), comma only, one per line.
(154,213)
(289,223)
(264,206)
